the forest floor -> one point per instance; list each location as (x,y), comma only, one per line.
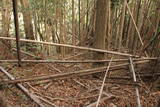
(75,91)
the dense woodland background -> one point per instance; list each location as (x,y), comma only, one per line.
(130,26)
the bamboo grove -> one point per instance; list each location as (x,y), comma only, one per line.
(130,26)
(60,43)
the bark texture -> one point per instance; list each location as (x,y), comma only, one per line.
(100,28)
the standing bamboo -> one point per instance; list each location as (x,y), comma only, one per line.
(6,18)
(122,25)
(73,25)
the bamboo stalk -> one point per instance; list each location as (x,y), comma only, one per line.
(72,61)
(135,80)
(71,46)
(139,35)
(101,90)
(140,38)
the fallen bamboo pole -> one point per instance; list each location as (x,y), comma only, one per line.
(135,80)
(34,98)
(102,87)
(69,74)
(71,46)
(111,78)
(72,61)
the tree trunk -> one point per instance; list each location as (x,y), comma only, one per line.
(62,33)
(6,17)
(109,25)
(27,20)
(28,26)
(100,27)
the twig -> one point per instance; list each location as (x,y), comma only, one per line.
(46,101)
(32,87)
(49,84)
(51,98)
(40,82)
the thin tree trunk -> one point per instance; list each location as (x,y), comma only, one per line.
(73,24)
(109,25)
(122,25)
(6,17)
(27,20)
(130,30)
